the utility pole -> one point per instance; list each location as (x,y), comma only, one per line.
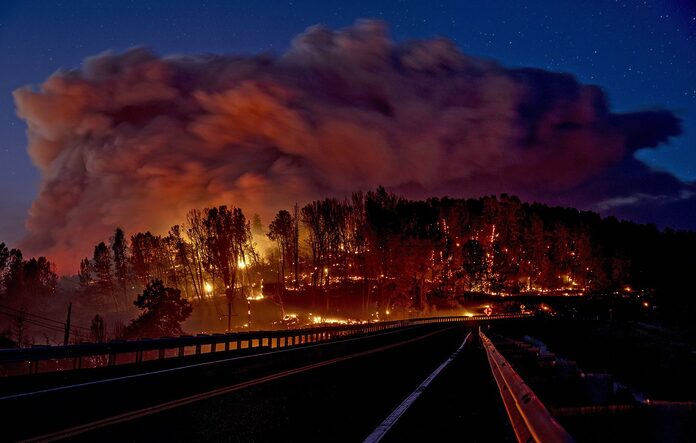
(249,311)
(229,316)
(66,337)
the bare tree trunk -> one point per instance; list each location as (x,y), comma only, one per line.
(296,246)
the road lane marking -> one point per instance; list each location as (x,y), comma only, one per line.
(276,351)
(381,430)
(80,429)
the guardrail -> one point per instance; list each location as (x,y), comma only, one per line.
(40,359)
(530,419)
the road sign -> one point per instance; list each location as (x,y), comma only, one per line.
(488,311)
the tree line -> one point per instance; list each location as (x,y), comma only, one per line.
(374,251)
(377,250)
(22,278)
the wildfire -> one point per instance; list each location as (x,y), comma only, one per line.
(256,297)
(317,319)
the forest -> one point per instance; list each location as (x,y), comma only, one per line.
(375,251)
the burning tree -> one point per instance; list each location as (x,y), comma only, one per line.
(281,230)
(226,244)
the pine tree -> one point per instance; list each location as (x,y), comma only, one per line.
(119,246)
(85,276)
(104,284)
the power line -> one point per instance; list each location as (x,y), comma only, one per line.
(27,314)
(23,312)
(52,328)
(32,322)
(44,326)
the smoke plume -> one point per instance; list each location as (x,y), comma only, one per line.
(136,140)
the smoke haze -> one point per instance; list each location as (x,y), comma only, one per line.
(136,140)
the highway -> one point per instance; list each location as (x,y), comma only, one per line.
(335,391)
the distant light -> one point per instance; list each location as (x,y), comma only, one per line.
(241,264)
(646,304)
(208,287)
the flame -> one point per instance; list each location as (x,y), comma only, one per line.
(256,297)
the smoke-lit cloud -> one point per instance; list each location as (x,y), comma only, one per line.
(136,140)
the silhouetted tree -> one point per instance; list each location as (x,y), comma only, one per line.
(195,230)
(296,244)
(143,256)
(12,278)
(85,276)
(38,278)
(163,310)
(4,256)
(312,219)
(103,284)
(96,329)
(184,259)
(119,246)
(227,244)
(281,231)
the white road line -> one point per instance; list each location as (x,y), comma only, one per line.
(381,430)
(128,416)
(196,365)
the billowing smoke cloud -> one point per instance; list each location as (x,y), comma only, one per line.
(136,140)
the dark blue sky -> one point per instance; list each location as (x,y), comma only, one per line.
(643,53)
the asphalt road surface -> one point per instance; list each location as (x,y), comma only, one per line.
(329,392)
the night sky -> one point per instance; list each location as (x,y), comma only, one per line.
(642,53)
